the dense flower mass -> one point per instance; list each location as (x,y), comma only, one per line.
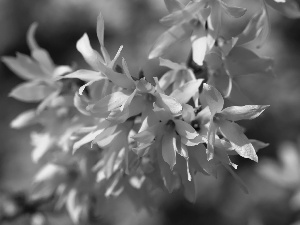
(121,134)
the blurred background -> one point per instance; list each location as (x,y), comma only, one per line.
(274,182)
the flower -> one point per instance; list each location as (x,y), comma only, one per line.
(223,120)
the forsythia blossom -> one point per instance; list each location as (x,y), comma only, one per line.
(116,133)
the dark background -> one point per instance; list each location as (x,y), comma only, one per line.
(273,182)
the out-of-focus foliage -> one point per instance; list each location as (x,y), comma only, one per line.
(110,134)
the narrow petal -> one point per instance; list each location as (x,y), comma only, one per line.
(100,29)
(24,119)
(110,102)
(211,136)
(173,5)
(169,38)
(171,65)
(235,135)
(169,103)
(185,130)
(92,57)
(85,75)
(289,8)
(39,54)
(169,149)
(193,142)
(118,79)
(233,11)
(247,112)
(31,92)
(213,98)
(24,67)
(252,30)
(199,45)
(184,93)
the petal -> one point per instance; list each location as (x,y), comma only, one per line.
(167,79)
(106,132)
(247,112)
(92,57)
(211,136)
(31,92)
(184,93)
(185,130)
(85,75)
(24,119)
(148,135)
(173,5)
(110,102)
(242,61)
(171,65)
(188,113)
(199,45)
(81,104)
(233,11)
(169,38)
(213,98)
(252,30)
(242,185)
(118,79)
(193,142)
(25,67)
(289,8)
(169,103)
(100,29)
(241,143)
(39,54)
(198,159)
(169,149)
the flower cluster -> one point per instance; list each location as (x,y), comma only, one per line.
(108,132)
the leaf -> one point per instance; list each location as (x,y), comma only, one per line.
(213,98)
(24,119)
(31,92)
(169,149)
(184,93)
(100,29)
(289,8)
(185,130)
(235,135)
(233,11)
(92,57)
(172,36)
(25,67)
(173,5)
(85,75)
(247,112)
(168,103)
